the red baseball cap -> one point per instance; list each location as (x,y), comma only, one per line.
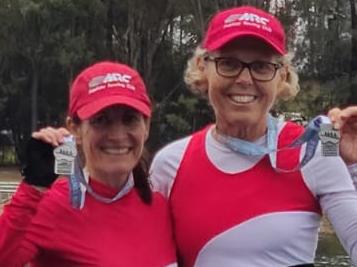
(234,23)
(105,84)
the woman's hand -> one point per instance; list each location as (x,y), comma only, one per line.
(52,136)
(346,121)
(39,159)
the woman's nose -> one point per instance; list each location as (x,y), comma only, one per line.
(117,129)
(244,77)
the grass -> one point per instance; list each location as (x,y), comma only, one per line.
(7,156)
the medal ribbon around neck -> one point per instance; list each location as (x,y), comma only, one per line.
(310,137)
(79,186)
(78,183)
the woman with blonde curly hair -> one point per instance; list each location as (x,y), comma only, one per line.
(250,189)
(197,81)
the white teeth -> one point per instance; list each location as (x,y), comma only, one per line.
(242,98)
(116,151)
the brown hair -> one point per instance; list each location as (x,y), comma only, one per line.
(141,174)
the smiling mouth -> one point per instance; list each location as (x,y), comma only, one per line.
(242,99)
(116,151)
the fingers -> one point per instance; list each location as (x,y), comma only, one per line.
(335,117)
(53,136)
(349,112)
(339,117)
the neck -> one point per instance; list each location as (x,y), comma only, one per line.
(114,180)
(248,132)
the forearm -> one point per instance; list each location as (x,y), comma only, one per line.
(353,171)
(14,221)
(341,210)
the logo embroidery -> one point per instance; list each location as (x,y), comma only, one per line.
(110,80)
(248,19)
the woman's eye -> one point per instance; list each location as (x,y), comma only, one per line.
(99,120)
(229,63)
(261,66)
(131,117)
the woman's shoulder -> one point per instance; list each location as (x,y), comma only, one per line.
(159,199)
(59,188)
(173,149)
(56,198)
(165,164)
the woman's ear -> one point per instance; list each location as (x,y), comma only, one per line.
(201,84)
(283,83)
(147,128)
(200,62)
(284,73)
(75,129)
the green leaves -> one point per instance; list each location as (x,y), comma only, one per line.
(45,43)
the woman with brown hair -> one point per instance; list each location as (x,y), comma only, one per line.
(114,219)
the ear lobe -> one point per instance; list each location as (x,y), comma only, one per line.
(78,139)
(147,132)
(200,62)
(284,73)
(74,128)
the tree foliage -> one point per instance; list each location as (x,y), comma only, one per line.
(44,44)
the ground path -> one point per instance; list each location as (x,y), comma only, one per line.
(10,174)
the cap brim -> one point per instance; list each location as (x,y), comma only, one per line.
(90,109)
(220,42)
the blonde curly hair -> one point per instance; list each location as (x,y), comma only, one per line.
(196,80)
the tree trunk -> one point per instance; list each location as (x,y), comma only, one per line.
(354,36)
(109,30)
(199,16)
(353,91)
(154,39)
(34,96)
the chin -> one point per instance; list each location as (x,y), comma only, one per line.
(113,170)
(244,119)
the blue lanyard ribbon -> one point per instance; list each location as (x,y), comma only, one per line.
(251,149)
(78,185)
(310,136)
(77,194)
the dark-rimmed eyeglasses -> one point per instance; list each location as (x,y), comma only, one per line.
(231,67)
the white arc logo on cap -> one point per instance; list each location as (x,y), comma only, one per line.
(247,17)
(117,77)
(110,80)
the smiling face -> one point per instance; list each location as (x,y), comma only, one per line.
(242,101)
(112,141)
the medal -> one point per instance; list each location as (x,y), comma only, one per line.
(65,155)
(310,137)
(330,139)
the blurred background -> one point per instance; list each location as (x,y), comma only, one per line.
(45,43)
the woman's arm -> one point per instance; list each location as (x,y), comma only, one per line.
(15,219)
(17,246)
(330,182)
(341,210)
